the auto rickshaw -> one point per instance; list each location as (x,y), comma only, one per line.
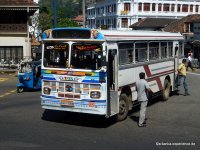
(29,76)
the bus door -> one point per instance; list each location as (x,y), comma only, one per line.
(113,103)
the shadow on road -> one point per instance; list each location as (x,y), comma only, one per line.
(136,108)
(78,119)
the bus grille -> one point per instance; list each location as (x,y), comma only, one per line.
(70,90)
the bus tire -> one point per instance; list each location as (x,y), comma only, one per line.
(166,90)
(123,107)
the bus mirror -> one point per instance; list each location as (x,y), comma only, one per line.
(113,52)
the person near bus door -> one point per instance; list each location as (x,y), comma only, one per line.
(182,77)
(142,88)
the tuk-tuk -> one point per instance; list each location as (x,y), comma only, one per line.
(29,76)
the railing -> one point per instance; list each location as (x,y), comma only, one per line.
(124,12)
(13,27)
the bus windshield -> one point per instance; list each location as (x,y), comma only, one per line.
(86,56)
(56,55)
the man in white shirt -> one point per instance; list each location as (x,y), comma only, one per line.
(190,62)
(142,87)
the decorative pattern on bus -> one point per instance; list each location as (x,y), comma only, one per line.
(86,77)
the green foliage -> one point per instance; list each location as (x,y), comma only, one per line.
(65,22)
(66,9)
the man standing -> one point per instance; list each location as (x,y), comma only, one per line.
(142,87)
(190,62)
(182,76)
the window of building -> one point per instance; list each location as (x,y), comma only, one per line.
(124,22)
(141,52)
(127,6)
(166,7)
(185,8)
(191,8)
(153,7)
(197,8)
(140,7)
(159,7)
(172,7)
(153,50)
(146,6)
(13,54)
(179,7)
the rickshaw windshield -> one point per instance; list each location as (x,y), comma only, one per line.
(86,56)
(56,55)
(25,68)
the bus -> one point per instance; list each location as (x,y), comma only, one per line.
(94,71)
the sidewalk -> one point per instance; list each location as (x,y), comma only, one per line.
(8,71)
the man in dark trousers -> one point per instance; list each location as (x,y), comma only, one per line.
(142,88)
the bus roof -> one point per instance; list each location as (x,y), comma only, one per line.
(87,34)
(117,35)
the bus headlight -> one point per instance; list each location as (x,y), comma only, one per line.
(46,90)
(95,94)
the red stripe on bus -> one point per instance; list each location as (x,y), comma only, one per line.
(147,70)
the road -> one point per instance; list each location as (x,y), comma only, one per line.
(171,125)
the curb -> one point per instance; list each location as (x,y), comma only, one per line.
(8,72)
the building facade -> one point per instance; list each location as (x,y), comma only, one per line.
(15,42)
(120,14)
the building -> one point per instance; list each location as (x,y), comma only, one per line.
(189,26)
(120,14)
(153,24)
(79,20)
(15,42)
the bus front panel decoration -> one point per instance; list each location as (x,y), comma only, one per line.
(94,71)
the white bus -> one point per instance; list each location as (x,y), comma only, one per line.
(95,71)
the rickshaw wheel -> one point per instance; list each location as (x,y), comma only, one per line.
(20,89)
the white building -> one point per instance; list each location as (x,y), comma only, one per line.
(120,14)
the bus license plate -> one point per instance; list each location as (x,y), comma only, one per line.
(68,103)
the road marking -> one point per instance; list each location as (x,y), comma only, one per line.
(194,73)
(7,93)
(3,79)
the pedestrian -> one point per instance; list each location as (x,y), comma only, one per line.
(190,62)
(142,88)
(182,77)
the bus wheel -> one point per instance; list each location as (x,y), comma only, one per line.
(166,89)
(20,89)
(123,107)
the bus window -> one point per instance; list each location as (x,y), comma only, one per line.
(163,49)
(86,56)
(140,52)
(125,53)
(153,50)
(170,49)
(56,55)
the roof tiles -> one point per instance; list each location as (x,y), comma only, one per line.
(17,3)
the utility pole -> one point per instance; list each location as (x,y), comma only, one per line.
(55,14)
(83,9)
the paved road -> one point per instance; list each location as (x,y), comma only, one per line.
(172,125)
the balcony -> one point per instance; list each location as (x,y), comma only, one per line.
(124,12)
(13,28)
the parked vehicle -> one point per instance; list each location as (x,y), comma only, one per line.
(29,76)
